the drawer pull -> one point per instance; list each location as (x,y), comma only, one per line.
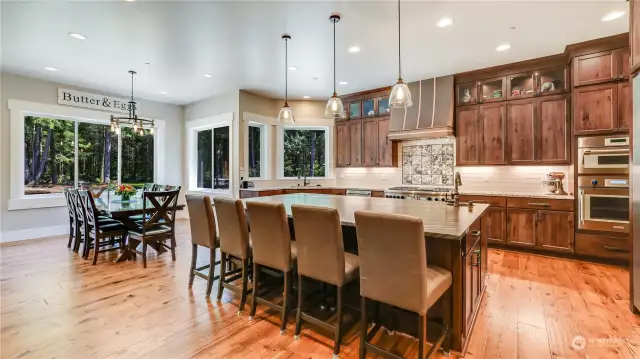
(618,227)
(615,249)
(541,204)
(475,233)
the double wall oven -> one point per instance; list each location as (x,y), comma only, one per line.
(603,183)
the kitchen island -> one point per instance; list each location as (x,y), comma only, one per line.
(455,241)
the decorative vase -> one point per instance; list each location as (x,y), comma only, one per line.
(126,197)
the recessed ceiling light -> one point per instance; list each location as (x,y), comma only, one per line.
(613,15)
(163,92)
(314,78)
(130,0)
(444,22)
(208,76)
(77,36)
(354,49)
(306,97)
(52,69)
(503,47)
(293,68)
(343,82)
(148,63)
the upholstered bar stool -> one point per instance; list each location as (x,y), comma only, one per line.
(203,234)
(234,242)
(394,271)
(321,257)
(272,249)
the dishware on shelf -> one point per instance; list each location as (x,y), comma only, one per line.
(466,97)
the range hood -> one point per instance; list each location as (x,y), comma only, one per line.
(431,115)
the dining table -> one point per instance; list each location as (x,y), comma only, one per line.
(122,211)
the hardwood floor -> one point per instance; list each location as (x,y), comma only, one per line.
(56,305)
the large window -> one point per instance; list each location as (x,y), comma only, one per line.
(53,146)
(255,152)
(304,152)
(213,158)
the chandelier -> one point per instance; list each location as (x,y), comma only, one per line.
(139,124)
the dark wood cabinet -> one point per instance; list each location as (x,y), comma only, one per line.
(634,34)
(468,136)
(553,125)
(595,68)
(542,82)
(521,131)
(387,150)
(625,106)
(521,227)
(492,134)
(495,226)
(472,281)
(555,230)
(343,146)
(623,69)
(355,142)
(369,143)
(595,109)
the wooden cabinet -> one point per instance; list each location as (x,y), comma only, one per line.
(623,63)
(343,146)
(387,150)
(595,68)
(355,143)
(595,109)
(492,134)
(634,34)
(521,227)
(521,129)
(495,225)
(555,230)
(468,136)
(537,83)
(369,143)
(625,106)
(473,280)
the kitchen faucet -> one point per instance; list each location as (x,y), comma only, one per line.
(304,169)
(455,195)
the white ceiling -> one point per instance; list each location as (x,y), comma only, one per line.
(239,42)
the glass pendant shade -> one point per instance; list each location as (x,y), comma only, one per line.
(286,115)
(334,108)
(400,96)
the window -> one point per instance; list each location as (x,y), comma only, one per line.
(304,152)
(65,153)
(213,158)
(255,153)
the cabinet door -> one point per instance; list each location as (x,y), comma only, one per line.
(554,231)
(521,227)
(355,143)
(521,131)
(385,149)
(468,136)
(493,127)
(471,284)
(625,106)
(622,56)
(634,33)
(495,228)
(343,147)
(369,143)
(554,129)
(595,109)
(594,68)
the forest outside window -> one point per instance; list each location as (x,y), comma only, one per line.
(304,153)
(255,149)
(213,158)
(67,153)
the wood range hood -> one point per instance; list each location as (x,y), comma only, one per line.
(431,115)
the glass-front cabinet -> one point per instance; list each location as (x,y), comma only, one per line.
(521,85)
(537,83)
(355,109)
(553,80)
(467,93)
(368,108)
(383,106)
(493,89)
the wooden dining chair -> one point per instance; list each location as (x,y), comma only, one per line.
(203,234)
(157,223)
(73,216)
(96,192)
(100,234)
(147,187)
(79,235)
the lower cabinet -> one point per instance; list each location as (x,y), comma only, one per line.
(555,230)
(521,227)
(495,228)
(475,270)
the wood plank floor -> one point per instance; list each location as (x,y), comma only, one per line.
(56,305)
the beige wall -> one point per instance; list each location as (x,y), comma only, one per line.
(28,89)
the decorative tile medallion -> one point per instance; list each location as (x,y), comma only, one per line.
(428,165)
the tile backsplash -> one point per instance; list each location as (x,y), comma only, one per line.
(428,164)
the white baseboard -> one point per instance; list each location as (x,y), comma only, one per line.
(38,232)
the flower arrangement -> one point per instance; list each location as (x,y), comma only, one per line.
(125,191)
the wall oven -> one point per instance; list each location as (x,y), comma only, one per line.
(603,155)
(604,203)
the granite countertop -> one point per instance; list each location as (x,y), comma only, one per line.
(440,220)
(517,194)
(276,188)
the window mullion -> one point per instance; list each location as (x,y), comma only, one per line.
(75,154)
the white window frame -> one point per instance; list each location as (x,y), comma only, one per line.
(19,110)
(209,123)
(264,150)
(328,150)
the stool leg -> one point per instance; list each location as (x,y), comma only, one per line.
(194,259)
(422,335)
(363,327)
(245,279)
(298,316)
(212,270)
(323,304)
(338,333)
(223,274)
(254,294)
(285,301)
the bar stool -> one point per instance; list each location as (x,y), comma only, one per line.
(234,243)
(203,233)
(271,248)
(394,271)
(321,257)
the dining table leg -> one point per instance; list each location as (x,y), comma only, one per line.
(128,251)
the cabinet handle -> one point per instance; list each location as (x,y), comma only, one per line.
(541,204)
(475,233)
(615,249)
(617,227)
(478,260)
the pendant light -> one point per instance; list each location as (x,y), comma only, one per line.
(400,95)
(335,108)
(286,115)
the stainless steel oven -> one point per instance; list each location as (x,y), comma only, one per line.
(604,203)
(603,155)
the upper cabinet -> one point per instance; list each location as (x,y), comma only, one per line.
(601,67)
(537,83)
(595,109)
(481,134)
(368,106)
(475,92)
(634,33)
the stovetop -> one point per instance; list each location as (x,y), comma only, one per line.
(420,189)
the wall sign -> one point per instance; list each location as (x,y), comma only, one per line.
(93,101)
